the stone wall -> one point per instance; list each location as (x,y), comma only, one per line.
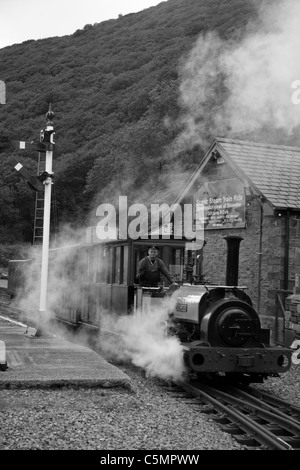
(262,252)
(292,319)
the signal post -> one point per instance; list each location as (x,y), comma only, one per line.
(46,138)
(39,183)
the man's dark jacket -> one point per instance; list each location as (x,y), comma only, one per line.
(149,274)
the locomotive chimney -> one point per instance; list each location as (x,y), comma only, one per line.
(232,267)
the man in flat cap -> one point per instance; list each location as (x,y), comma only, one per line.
(150,269)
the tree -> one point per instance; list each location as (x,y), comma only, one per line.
(17,201)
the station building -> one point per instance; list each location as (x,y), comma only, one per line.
(252,190)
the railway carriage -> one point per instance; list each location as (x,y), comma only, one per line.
(87,278)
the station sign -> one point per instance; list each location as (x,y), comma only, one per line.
(223,202)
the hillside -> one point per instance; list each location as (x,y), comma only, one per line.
(114,88)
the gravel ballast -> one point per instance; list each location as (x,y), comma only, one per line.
(144,417)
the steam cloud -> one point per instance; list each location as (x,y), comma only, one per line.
(139,338)
(143,342)
(239,86)
(59,286)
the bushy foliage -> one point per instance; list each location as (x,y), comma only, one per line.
(12,251)
(113,86)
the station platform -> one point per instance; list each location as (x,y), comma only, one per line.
(27,360)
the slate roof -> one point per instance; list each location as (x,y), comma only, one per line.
(273,169)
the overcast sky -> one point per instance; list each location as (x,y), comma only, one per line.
(36,19)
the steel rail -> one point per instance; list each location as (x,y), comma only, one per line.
(272,400)
(259,433)
(289,420)
(275,416)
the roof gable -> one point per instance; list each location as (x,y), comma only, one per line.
(273,170)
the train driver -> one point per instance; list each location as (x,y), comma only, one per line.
(151,268)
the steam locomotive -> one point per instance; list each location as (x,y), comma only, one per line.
(222,335)
(221,331)
(217,325)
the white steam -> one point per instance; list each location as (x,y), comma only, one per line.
(64,277)
(144,342)
(140,338)
(231,87)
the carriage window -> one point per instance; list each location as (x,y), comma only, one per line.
(139,253)
(120,264)
(68,267)
(85,262)
(97,264)
(125,265)
(103,262)
(176,263)
(93,255)
(116,265)
(109,264)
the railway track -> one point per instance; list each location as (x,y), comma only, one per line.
(257,420)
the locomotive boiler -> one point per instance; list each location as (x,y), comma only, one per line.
(221,331)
